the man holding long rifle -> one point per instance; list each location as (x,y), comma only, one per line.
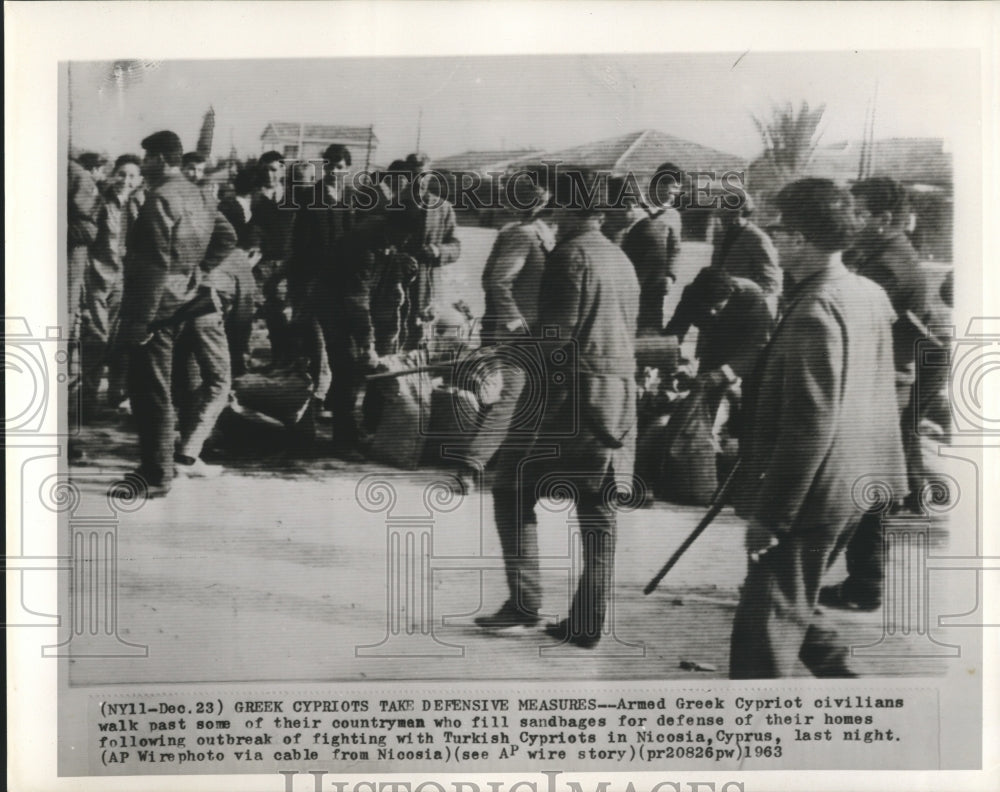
(820,414)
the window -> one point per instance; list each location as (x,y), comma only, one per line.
(291,151)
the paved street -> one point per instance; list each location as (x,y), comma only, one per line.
(289,572)
(287,569)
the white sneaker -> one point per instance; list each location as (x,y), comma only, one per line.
(199,469)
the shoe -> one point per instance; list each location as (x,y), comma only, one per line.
(562,633)
(507,618)
(134,485)
(347,452)
(827,662)
(836,597)
(198,469)
(463,483)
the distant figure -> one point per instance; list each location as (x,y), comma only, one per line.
(653,245)
(193,166)
(819,414)
(117,212)
(85,174)
(321,284)
(238,209)
(425,230)
(746,251)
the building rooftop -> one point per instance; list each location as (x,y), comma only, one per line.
(325,132)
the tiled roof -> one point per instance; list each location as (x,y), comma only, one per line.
(481,161)
(324,132)
(643,151)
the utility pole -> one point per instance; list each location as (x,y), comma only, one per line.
(368,154)
(871,133)
(420,120)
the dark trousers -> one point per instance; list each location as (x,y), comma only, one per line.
(866,561)
(498,417)
(865,553)
(100,312)
(78,259)
(345,383)
(514,512)
(150,387)
(276,301)
(651,298)
(777,623)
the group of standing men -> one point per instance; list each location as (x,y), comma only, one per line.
(806,320)
(822,354)
(336,286)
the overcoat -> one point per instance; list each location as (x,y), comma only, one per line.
(820,408)
(588,307)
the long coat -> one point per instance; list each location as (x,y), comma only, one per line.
(820,407)
(590,298)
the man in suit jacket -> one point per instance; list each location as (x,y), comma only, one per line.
(653,245)
(512,282)
(820,415)
(165,248)
(117,211)
(746,251)
(321,284)
(585,443)
(883,253)
(238,209)
(425,230)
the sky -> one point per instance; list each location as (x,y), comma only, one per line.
(512,102)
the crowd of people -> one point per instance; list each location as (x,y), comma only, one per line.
(806,337)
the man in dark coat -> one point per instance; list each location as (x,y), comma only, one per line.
(424,229)
(734,322)
(746,251)
(273,218)
(238,209)
(321,279)
(883,253)
(85,173)
(117,212)
(820,415)
(585,443)
(165,248)
(653,245)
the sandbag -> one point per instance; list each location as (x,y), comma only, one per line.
(454,416)
(688,473)
(283,394)
(397,412)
